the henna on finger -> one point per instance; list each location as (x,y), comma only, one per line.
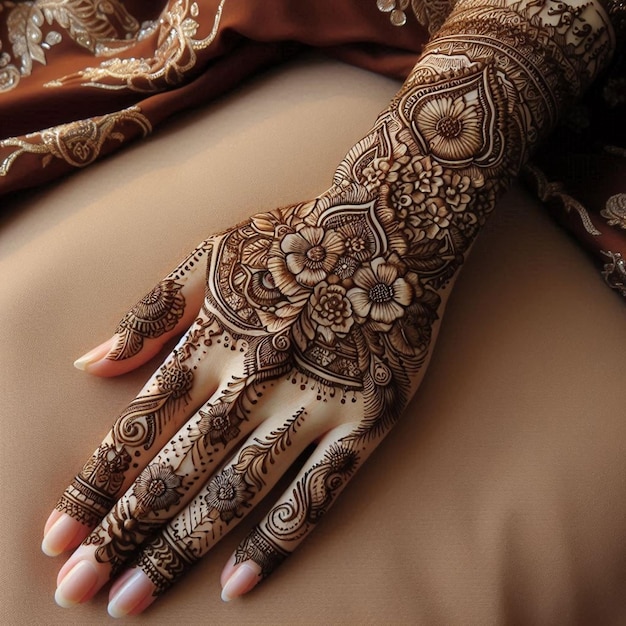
(175,475)
(158,312)
(142,425)
(222,503)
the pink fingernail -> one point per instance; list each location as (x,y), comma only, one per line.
(132,595)
(94,355)
(54,516)
(64,533)
(228,570)
(245,577)
(76,585)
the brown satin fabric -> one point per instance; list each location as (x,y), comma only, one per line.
(250,36)
(580,173)
(255,35)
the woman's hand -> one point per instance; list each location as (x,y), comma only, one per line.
(309,324)
(314,327)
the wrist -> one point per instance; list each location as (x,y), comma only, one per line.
(548,51)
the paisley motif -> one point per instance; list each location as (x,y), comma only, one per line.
(460,121)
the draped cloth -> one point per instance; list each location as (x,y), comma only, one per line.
(80,79)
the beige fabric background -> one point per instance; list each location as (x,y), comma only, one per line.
(499,499)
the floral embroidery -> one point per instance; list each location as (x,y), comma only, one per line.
(174,56)
(615,210)
(96,26)
(78,143)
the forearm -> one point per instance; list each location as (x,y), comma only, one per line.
(487,89)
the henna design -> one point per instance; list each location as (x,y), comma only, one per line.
(340,295)
(163,562)
(126,526)
(94,491)
(155,314)
(146,415)
(351,282)
(226,498)
(313,494)
(258,547)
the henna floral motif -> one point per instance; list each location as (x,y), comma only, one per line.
(330,311)
(219,424)
(226,492)
(380,294)
(311,253)
(154,315)
(157,488)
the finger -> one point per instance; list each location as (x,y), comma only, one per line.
(170,397)
(220,506)
(166,486)
(164,312)
(329,469)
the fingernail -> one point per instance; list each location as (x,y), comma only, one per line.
(76,585)
(94,355)
(135,591)
(61,535)
(243,580)
(228,570)
(54,516)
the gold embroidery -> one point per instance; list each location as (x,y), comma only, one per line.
(77,143)
(173,57)
(614,271)
(615,211)
(555,192)
(429,13)
(101,26)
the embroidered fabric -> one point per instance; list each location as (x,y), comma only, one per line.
(80,79)
(429,13)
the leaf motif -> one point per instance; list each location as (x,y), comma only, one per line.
(459,241)
(254,253)
(346,170)
(427,264)
(425,250)
(128,344)
(34,37)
